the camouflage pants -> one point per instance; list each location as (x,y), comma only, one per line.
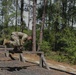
(15,40)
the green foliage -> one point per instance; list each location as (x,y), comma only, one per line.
(63,44)
(66,44)
(45,47)
(28,46)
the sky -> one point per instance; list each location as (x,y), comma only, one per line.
(26,17)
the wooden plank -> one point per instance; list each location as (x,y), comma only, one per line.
(2,46)
(33,52)
(6,49)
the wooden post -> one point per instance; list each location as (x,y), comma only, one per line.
(21,58)
(43,61)
(6,52)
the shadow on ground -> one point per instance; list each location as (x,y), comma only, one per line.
(14,68)
(62,71)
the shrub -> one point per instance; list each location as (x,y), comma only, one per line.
(45,47)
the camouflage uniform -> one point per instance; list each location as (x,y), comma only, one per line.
(16,37)
(9,42)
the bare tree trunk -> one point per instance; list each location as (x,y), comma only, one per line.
(72,22)
(16,14)
(42,27)
(6,15)
(22,5)
(72,14)
(34,25)
(29,16)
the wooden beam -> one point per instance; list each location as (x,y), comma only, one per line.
(32,52)
(21,58)
(42,58)
(6,53)
(2,46)
(1,49)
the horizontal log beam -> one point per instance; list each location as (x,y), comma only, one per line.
(33,52)
(6,49)
(2,46)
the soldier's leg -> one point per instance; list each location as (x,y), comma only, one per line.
(5,41)
(23,39)
(8,42)
(12,42)
(16,40)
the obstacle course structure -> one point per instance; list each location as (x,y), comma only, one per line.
(42,61)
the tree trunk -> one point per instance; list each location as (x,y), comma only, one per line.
(16,14)
(22,5)
(42,27)
(64,14)
(72,22)
(6,15)
(34,25)
(29,16)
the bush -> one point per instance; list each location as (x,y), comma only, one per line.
(67,44)
(28,45)
(45,47)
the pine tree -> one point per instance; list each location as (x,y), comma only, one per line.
(34,25)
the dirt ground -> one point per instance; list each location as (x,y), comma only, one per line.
(15,67)
(34,57)
(59,65)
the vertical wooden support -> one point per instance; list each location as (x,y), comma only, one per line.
(43,61)
(6,52)
(21,58)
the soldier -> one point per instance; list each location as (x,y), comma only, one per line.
(16,36)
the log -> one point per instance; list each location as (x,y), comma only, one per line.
(32,52)
(43,61)
(6,49)
(6,53)
(21,58)
(2,46)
